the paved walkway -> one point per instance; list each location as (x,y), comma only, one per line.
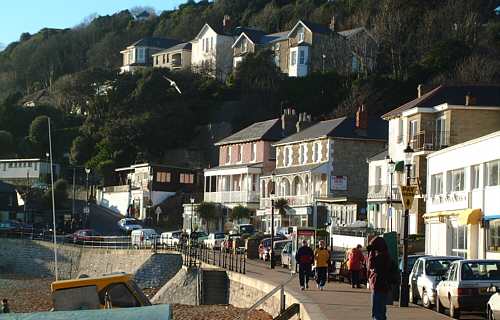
(338,300)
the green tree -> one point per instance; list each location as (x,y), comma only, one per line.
(207,211)
(240,212)
(60,195)
(107,169)
(6,143)
(281,205)
(39,132)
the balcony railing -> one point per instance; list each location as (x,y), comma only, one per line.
(430,140)
(383,192)
(292,200)
(232,196)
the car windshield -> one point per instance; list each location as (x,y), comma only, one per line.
(481,270)
(437,267)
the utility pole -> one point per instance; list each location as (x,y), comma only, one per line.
(53,204)
(74,193)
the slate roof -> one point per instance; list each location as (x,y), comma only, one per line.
(155,42)
(254,34)
(269,130)
(486,95)
(316,27)
(379,156)
(180,46)
(297,169)
(273,37)
(340,128)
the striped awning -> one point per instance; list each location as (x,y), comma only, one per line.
(465,217)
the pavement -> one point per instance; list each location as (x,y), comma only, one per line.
(339,300)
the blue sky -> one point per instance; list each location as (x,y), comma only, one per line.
(30,16)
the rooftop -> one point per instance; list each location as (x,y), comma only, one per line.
(155,42)
(485,95)
(340,128)
(269,130)
(180,46)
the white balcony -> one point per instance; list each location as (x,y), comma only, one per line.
(232,197)
(301,200)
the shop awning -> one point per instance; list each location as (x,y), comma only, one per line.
(491,217)
(399,166)
(467,216)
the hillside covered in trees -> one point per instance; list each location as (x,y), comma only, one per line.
(141,118)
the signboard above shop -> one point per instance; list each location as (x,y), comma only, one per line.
(338,183)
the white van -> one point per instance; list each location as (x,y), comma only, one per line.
(171,238)
(143,238)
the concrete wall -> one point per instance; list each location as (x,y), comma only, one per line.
(182,289)
(116,201)
(36,258)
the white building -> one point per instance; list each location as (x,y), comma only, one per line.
(24,172)
(384,211)
(463,207)
(212,52)
(139,54)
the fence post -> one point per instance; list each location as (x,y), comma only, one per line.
(282,299)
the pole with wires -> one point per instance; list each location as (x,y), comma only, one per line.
(53,204)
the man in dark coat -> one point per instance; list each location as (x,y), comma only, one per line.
(304,258)
(379,277)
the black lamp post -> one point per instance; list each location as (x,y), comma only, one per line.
(404,295)
(271,251)
(391,167)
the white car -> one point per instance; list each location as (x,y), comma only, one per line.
(129,224)
(143,238)
(171,238)
(214,240)
(493,305)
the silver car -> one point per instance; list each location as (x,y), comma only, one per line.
(466,286)
(427,272)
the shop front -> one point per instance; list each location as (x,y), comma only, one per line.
(454,233)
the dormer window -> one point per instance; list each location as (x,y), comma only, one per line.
(254,152)
(228,154)
(316,154)
(240,153)
(302,155)
(300,34)
(244,45)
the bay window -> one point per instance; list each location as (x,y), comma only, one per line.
(493,173)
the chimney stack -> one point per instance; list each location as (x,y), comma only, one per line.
(288,120)
(226,23)
(420,90)
(362,118)
(304,121)
(332,23)
(470,100)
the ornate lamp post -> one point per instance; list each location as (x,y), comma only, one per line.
(404,296)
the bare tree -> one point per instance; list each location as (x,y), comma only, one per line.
(478,68)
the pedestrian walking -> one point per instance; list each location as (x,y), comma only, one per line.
(355,262)
(5,306)
(322,261)
(304,258)
(379,269)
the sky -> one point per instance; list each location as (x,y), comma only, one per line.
(30,16)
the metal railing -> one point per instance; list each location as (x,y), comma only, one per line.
(232,196)
(430,140)
(298,200)
(195,255)
(383,192)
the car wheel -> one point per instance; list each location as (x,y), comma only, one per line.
(454,312)
(426,302)
(439,307)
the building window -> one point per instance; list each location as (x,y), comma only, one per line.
(458,239)
(140,54)
(493,172)
(475,170)
(240,153)
(163,58)
(277,59)
(254,151)
(157,60)
(228,154)
(302,57)
(456,180)
(316,155)
(294,58)
(211,43)
(244,45)
(303,155)
(413,130)
(494,235)
(288,156)
(202,44)
(400,130)
(441,140)
(378,175)
(301,34)
(437,184)
(187,178)
(163,176)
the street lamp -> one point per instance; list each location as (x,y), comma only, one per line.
(271,251)
(87,171)
(404,295)
(391,166)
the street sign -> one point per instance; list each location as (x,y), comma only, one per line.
(407,195)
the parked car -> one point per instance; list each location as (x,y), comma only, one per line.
(465,286)
(214,240)
(425,276)
(244,229)
(86,236)
(411,261)
(198,236)
(129,224)
(171,238)
(286,255)
(493,305)
(143,238)
(285,231)
(265,247)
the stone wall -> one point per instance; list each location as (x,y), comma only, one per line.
(36,258)
(182,288)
